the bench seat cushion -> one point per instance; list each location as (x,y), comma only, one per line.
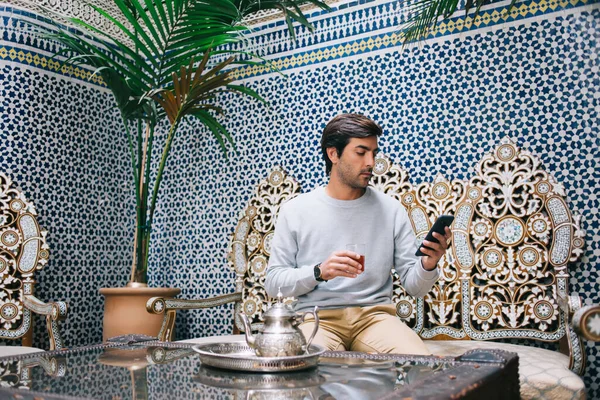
(543,374)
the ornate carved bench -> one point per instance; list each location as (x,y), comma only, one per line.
(505,276)
(23,251)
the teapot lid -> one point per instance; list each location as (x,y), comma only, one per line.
(280,310)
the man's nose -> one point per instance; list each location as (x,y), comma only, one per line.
(370,160)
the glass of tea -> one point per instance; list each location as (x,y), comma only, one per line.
(358,248)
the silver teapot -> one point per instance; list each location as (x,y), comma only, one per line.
(280,335)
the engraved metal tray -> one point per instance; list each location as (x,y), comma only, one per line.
(239,356)
(264,381)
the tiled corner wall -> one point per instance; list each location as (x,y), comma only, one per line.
(60,143)
(532,75)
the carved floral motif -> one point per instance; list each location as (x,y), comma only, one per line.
(250,248)
(23,250)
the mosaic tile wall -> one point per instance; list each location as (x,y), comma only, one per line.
(60,144)
(443,105)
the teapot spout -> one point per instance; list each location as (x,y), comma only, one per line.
(250,339)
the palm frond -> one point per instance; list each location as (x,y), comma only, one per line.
(191,87)
(157,37)
(426,14)
(291,9)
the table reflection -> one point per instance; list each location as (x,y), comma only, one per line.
(143,372)
(334,378)
(17,375)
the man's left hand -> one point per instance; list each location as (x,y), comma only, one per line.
(435,250)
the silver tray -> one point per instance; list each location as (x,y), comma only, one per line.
(239,356)
(221,378)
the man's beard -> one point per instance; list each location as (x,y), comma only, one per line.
(355,183)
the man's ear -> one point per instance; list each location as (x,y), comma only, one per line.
(332,154)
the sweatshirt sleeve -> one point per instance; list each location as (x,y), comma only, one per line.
(282,271)
(415,279)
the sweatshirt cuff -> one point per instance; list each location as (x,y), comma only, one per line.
(427,275)
(307,276)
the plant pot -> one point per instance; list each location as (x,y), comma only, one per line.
(125,311)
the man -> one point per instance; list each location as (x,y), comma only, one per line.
(309,259)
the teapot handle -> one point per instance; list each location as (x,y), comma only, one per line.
(314,332)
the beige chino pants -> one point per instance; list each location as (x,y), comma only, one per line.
(374,329)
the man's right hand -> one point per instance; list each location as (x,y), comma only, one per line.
(341,263)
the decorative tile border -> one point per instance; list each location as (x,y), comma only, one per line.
(73,8)
(457,25)
(35,59)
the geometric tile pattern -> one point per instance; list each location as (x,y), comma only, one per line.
(74,8)
(371,24)
(58,145)
(20,44)
(442,105)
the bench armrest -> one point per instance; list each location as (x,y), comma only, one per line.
(169,307)
(583,323)
(586,322)
(54,312)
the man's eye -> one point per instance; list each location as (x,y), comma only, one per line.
(361,154)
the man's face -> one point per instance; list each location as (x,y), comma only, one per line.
(355,166)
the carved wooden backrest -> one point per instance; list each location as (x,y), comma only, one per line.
(423,203)
(513,236)
(251,244)
(23,251)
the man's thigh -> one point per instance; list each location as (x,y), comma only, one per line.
(324,337)
(386,333)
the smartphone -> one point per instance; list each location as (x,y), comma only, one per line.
(440,227)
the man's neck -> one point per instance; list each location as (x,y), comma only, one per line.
(340,191)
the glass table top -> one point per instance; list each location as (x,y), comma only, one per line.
(155,370)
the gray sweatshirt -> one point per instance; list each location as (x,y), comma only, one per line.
(313,225)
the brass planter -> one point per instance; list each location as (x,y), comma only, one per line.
(125,310)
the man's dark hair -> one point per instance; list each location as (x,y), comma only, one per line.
(339,130)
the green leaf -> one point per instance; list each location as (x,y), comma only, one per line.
(137,74)
(247,91)
(145,74)
(290,25)
(157,11)
(298,16)
(153,26)
(216,133)
(127,33)
(427,14)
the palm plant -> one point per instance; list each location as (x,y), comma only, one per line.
(154,76)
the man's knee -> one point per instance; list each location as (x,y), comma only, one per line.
(388,334)
(323,338)
(374,343)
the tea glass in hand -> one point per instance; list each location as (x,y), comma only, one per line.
(358,248)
